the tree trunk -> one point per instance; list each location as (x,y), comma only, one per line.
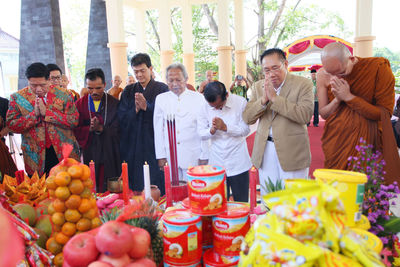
(211,20)
(260,39)
(282,31)
(153,26)
(274,23)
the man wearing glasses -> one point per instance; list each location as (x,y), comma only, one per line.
(44,115)
(283,103)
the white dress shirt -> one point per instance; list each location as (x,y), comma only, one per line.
(185,107)
(228,149)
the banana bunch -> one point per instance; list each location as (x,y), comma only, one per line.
(31,190)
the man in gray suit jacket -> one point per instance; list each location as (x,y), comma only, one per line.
(283,103)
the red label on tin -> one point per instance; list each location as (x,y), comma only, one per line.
(221,225)
(198,184)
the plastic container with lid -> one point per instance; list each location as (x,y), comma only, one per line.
(351,190)
(213,259)
(230,229)
(197,264)
(182,237)
(207,189)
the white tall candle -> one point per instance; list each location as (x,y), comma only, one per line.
(146,175)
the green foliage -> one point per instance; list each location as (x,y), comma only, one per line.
(394,59)
(271,187)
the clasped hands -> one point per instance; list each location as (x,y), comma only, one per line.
(140,102)
(269,93)
(40,107)
(217,124)
(340,89)
(95,125)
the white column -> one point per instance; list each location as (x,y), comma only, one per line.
(240,52)
(164,29)
(116,39)
(224,48)
(364,38)
(187,39)
(140,23)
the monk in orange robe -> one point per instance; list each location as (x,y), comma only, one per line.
(116,91)
(356,97)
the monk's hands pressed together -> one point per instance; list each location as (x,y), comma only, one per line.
(37,111)
(341,89)
(219,124)
(140,101)
(42,107)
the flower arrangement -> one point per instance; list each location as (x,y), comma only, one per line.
(378,196)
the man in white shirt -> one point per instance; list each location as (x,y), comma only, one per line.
(283,103)
(221,122)
(184,105)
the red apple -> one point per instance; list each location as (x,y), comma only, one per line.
(80,250)
(116,262)
(140,244)
(100,264)
(144,262)
(114,239)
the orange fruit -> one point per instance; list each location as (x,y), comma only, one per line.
(86,193)
(53,246)
(73,202)
(93,202)
(85,205)
(61,238)
(50,209)
(85,173)
(84,224)
(72,215)
(96,222)
(52,193)
(50,184)
(90,214)
(59,168)
(75,171)
(88,183)
(59,205)
(55,228)
(58,218)
(62,193)
(68,229)
(76,186)
(58,260)
(62,179)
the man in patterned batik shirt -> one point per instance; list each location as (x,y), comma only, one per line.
(44,115)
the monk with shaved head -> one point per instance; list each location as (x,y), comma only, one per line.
(356,98)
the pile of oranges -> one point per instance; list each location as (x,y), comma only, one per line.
(73,209)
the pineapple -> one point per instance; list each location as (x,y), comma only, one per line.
(142,214)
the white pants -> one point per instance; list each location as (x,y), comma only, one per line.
(270,167)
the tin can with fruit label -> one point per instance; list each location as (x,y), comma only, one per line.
(207,189)
(197,264)
(206,226)
(182,232)
(230,229)
(213,259)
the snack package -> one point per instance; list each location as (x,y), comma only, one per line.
(331,259)
(273,249)
(356,248)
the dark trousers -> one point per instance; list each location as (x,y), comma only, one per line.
(239,184)
(316,115)
(51,159)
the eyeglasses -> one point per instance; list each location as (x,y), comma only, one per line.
(274,69)
(55,78)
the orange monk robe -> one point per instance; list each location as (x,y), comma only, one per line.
(367,115)
(84,92)
(115,92)
(75,95)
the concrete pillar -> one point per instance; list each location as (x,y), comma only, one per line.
(116,38)
(98,55)
(187,39)
(224,48)
(164,29)
(364,39)
(41,38)
(240,52)
(140,30)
